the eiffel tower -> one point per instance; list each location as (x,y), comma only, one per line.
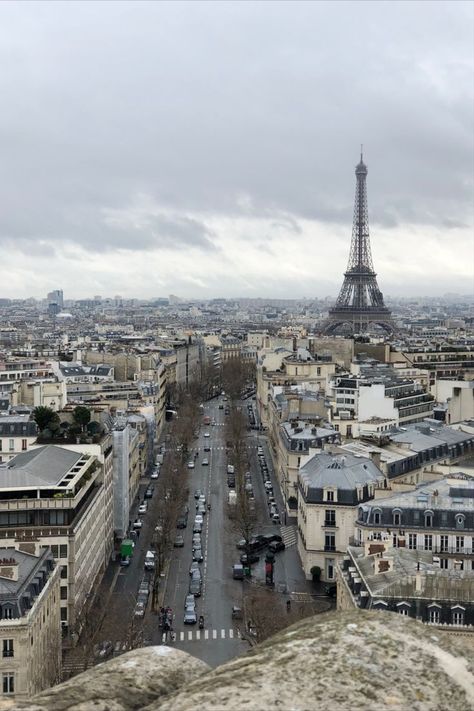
(360,304)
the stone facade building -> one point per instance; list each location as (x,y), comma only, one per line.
(30,627)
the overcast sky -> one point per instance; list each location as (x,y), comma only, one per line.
(208,149)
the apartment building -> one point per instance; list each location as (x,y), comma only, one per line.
(62,499)
(281,367)
(437,517)
(331,489)
(126,472)
(30,627)
(406,582)
(294,442)
(17,434)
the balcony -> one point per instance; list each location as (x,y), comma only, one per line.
(330,549)
(329,524)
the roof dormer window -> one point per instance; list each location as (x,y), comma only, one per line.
(460,518)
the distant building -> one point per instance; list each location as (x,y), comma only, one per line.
(17,434)
(30,627)
(56,297)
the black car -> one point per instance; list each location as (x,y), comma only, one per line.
(182,522)
(276,546)
(251,558)
(149,493)
(271,537)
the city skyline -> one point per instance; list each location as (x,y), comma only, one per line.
(208,150)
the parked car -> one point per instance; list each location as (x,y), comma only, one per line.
(179,541)
(197,555)
(139,609)
(149,560)
(195,587)
(197,543)
(268,484)
(138,523)
(197,527)
(199,518)
(276,546)
(276,518)
(125,560)
(189,601)
(149,493)
(271,537)
(194,566)
(154,475)
(103,649)
(197,493)
(142,509)
(251,558)
(191,464)
(182,522)
(190,617)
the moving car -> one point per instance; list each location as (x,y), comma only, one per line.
(207,447)
(191,464)
(205,462)
(139,609)
(179,541)
(150,560)
(206,434)
(155,474)
(182,522)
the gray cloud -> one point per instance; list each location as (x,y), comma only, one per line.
(198,104)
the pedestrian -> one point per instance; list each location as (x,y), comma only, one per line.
(288,605)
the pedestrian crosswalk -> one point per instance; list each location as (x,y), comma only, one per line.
(289,535)
(196,635)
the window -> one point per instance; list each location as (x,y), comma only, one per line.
(11,445)
(329,495)
(428,519)
(64,614)
(63,551)
(428,542)
(64,571)
(434,615)
(443,544)
(412,541)
(458,617)
(63,592)
(8,648)
(1,444)
(377,516)
(459,544)
(403,611)
(55,551)
(443,563)
(330,568)
(7,613)
(397,517)
(24,445)
(329,542)
(460,521)
(330,517)
(8,683)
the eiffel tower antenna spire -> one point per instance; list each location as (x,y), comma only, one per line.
(360,302)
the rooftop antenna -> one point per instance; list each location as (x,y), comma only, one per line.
(361,152)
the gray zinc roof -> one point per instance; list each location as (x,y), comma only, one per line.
(344,471)
(39,467)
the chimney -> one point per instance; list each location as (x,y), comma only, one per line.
(9,569)
(418,581)
(376,458)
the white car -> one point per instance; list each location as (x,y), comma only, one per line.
(191,465)
(138,523)
(206,434)
(142,509)
(154,475)
(199,519)
(205,462)
(139,609)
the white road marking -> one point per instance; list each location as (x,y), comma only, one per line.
(181,636)
(198,635)
(206,634)
(214,634)
(231,634)
(190,635)
(222,634)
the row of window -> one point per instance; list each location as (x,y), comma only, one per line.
(434,615)
(11,445)
(397,518)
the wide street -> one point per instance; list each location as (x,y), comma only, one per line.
(222,637)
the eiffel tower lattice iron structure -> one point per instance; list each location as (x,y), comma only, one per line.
(360,303)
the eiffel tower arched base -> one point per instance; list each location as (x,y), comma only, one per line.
(353,322)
